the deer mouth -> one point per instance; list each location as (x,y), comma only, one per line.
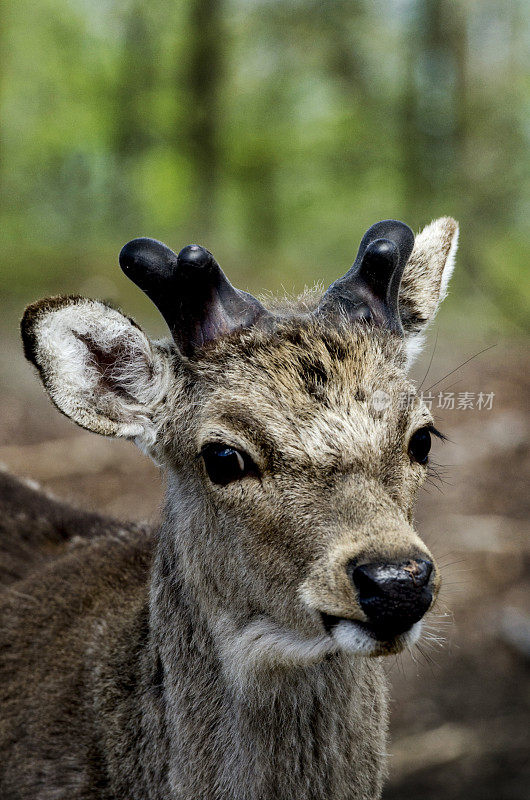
(368,638)
(383,633)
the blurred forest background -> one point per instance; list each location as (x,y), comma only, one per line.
(272,132)
(275,133)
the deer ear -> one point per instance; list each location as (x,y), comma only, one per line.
(98,367)
(426,277)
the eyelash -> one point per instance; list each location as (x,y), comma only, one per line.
(436,432)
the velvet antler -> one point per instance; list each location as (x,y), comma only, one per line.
(369,290)
(190,290)
(200,304)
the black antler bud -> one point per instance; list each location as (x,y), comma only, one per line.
(370,289)
(190,290)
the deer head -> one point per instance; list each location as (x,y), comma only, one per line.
(292,459)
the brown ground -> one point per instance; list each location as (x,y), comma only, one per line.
(460,716)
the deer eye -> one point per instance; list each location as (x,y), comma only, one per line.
(226,464)
(419,445)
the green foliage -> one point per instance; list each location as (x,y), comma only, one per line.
(273,133)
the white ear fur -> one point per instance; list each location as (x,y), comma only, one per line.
(426,278)
(98,367)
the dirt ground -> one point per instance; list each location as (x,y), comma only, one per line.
(460,707)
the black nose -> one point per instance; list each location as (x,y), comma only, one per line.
(393,596)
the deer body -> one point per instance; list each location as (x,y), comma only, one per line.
(225,654)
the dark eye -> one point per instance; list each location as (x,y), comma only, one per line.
(419,445)
(226,464)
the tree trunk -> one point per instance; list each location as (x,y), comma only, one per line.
(430,119)
(203,81)
(134,125)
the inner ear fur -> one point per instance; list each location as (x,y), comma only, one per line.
(427,273)
(97,365)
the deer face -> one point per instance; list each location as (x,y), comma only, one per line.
(293,440)
(302,450)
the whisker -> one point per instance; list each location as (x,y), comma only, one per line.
(430,638)
(430,362)
(450,563)
(431,661)
(463,364)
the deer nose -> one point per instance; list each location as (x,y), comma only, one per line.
(393,596)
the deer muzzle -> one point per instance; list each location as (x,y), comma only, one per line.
(393,596)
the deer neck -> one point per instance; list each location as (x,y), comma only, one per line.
(297,731)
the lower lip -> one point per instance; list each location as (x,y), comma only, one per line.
(382,635)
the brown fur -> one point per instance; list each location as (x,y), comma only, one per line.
(192,662)
(36,528)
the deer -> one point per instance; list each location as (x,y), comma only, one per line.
(236,650)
